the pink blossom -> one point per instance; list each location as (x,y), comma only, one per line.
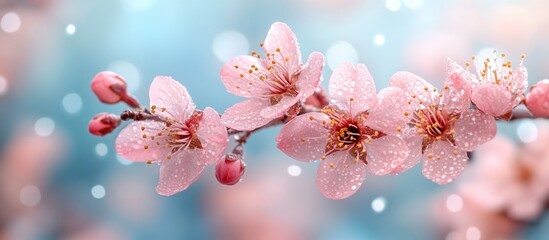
(352,136)
(103,124)
(230,170)
(537,100)
(273,83)
(498,89)
(510,179)
(441,126)
(180,138)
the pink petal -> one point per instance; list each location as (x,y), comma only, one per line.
(131,145)
(281,37)
(339,176)
(385,154)
(213,136)
(457,95)
(520,81)
(414,85)
(352,88)
(474,128)
(244,116)
(304,138)
(177,173)
(280,108)
(443,162)
(388,114)
(311,75)
(492,99)
(414,143)
(237,79)
(527,209)
(171,95)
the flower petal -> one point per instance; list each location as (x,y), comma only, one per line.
(474,128)
(213,136)
(417,89)
(171,95)
(388,114)
(457,91)
(304,138)
(385,154)
(244,116)
(177,173)
(311,75)
(339,176)
(134,143)
(280,108)
(519,83)
(492,99)
(352,88)
(282,46)
(443,162)
(238,80)
(414,143)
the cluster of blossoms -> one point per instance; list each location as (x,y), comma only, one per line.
(355,131)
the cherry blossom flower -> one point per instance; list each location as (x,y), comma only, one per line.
(110,88)
(537,100)
(180,138)
(273,83)
(498,89)
(103,124)
(510,179)
(353,135)
(441,126)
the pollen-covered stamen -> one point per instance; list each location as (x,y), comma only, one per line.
(274,72)
(175,135)
(347,133)
(497,71)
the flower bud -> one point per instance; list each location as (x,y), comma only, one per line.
(537,101)
(103,124)
(318,99)
(229,170)
(110,88)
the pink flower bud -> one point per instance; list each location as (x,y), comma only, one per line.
(103,124)
(537,101)
(110,88)
(229,170)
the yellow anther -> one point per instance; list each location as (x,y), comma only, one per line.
(311,118)
(456,152)
(302,139)
(146,147)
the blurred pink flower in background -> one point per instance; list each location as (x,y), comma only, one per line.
(351,136)
(442,127)
(183,140)
(274,83)
(537,100)
(511,179)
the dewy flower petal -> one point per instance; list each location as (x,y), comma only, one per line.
(176,135)
(352,88)
(498,88)
(537,100)
(344,138)
(277,78)
(245,115)
(443,122)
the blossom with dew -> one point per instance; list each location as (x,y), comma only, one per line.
(441,127)
(498,88)
(182,139)
(353,135)
(537,101)
(510,179)
(103,124)
(274,83)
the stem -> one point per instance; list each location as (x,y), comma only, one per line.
(519,114)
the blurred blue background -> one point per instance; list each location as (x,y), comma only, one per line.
(60,182)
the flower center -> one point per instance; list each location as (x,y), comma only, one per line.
(434,124)
(348,133)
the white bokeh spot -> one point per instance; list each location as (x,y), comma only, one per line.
(72,103)
(229,44)
(379,204)
(294,170)
(527,131)
(30,196)
(3,85)
(473,233)
(98,191)
(70,29)
(379,39)
(393,5)
(10,22)
(454,203)
(341,52)
(44,126)
(101,149)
